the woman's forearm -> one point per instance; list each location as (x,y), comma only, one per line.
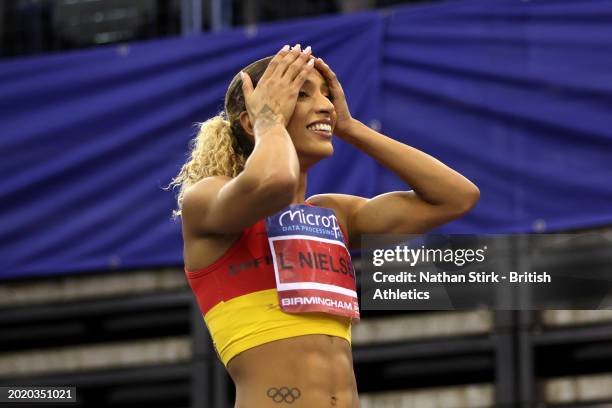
(430,179)
(272,141)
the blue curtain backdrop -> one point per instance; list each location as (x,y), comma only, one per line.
(515,95)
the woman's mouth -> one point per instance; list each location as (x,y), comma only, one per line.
(321,129)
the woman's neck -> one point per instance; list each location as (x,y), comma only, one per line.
(300,194)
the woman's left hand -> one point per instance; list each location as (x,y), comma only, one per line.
(344,119)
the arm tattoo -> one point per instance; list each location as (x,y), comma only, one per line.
(284,394)
(267,118)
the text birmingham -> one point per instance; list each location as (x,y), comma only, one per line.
(316,300)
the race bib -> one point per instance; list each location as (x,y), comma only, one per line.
(312,264)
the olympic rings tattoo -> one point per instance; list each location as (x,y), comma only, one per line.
(284,394)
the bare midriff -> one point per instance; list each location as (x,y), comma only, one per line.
(311,371)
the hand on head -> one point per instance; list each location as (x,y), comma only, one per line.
(276,93)
(343,115)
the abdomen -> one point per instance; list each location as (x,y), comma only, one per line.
(305,371)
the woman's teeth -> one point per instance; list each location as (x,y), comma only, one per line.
(320,126)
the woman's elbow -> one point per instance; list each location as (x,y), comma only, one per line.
(467,199)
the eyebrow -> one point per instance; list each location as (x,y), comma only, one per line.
(324,85)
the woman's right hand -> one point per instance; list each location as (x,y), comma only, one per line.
(276,93)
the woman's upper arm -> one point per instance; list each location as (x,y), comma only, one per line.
(398,212)
(224,205)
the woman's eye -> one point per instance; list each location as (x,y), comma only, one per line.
(302,93)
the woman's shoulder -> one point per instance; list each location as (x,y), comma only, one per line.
(343,206)
(200,193)
(340,203)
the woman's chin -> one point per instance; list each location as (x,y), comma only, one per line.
(317,153)
(329,149)
(325,150)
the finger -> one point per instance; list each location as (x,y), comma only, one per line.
(289,59)
(296,67)
(274,62)
(247,84)
(325,69)
(303,74)
(328,74)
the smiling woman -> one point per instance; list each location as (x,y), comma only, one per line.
(277,289)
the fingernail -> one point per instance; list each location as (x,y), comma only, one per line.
(285,48)
(310,62)
(307,50)
(296,47)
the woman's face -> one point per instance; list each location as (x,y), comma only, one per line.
(313,120)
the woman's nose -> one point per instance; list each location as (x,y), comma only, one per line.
(324,104)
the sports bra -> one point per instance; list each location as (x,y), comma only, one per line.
(238,298)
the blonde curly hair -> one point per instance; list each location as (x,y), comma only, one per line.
(221,146)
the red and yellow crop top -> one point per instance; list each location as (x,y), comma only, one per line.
(237,296)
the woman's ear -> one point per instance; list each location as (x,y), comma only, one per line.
(245,121)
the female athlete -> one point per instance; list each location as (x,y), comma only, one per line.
(243,188)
